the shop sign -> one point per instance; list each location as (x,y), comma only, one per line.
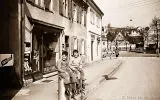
(6,60)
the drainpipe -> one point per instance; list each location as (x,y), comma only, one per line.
(22,32)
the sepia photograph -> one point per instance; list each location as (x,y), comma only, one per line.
(80,50)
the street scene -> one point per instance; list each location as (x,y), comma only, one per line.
(134,81)
(80,50)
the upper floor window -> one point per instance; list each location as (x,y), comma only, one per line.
(63,7)
(39,3)
(98,21)
(92,17)
(66,8)
(51,5)
(74,12)
(47,4)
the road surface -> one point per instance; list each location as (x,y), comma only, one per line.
(134,54)
(137,79)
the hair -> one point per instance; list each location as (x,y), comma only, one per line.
(75,51)
(65,53)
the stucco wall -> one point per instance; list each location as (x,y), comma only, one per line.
(91,27)
(96,31)
(71,28)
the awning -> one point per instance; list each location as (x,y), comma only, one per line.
(47,26)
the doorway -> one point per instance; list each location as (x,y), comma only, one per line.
(92,50)
(45,50)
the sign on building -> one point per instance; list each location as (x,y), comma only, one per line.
(6,60)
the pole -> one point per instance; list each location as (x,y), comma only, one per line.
(61,89)
(157,50)
(22,31)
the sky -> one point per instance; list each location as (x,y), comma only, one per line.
(121,13)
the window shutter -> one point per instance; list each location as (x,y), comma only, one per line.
(64,8)
(85,18)
(47,4)
(80,16)
(61,7)
(78,13)
(70,9)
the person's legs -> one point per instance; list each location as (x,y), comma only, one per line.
(73,83)
(82,79)
(67,89)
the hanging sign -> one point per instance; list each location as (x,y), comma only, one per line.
(6,60)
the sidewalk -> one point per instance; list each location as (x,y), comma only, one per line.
(46,89)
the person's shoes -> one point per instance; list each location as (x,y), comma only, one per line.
(67,92)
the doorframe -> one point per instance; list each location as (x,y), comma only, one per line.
(92,50)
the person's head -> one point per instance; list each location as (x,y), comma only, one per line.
(64,55)
(75,53)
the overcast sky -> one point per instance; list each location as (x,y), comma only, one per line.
(120,12)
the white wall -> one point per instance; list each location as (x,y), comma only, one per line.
(94,30)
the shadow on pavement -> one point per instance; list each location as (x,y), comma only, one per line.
(109,78)
(112,78)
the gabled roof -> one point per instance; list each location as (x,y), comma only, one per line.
(95,7)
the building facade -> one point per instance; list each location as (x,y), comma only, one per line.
(36,32)
(11,22)
(94,29)
(39,30)
(52,26)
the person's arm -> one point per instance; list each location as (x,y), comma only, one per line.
(70,64)
(58,67)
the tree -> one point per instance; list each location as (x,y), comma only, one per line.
(111,36)
(155,25)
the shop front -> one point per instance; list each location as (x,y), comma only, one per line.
(45,49)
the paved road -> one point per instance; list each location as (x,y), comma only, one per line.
(137,79)
(134,54)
